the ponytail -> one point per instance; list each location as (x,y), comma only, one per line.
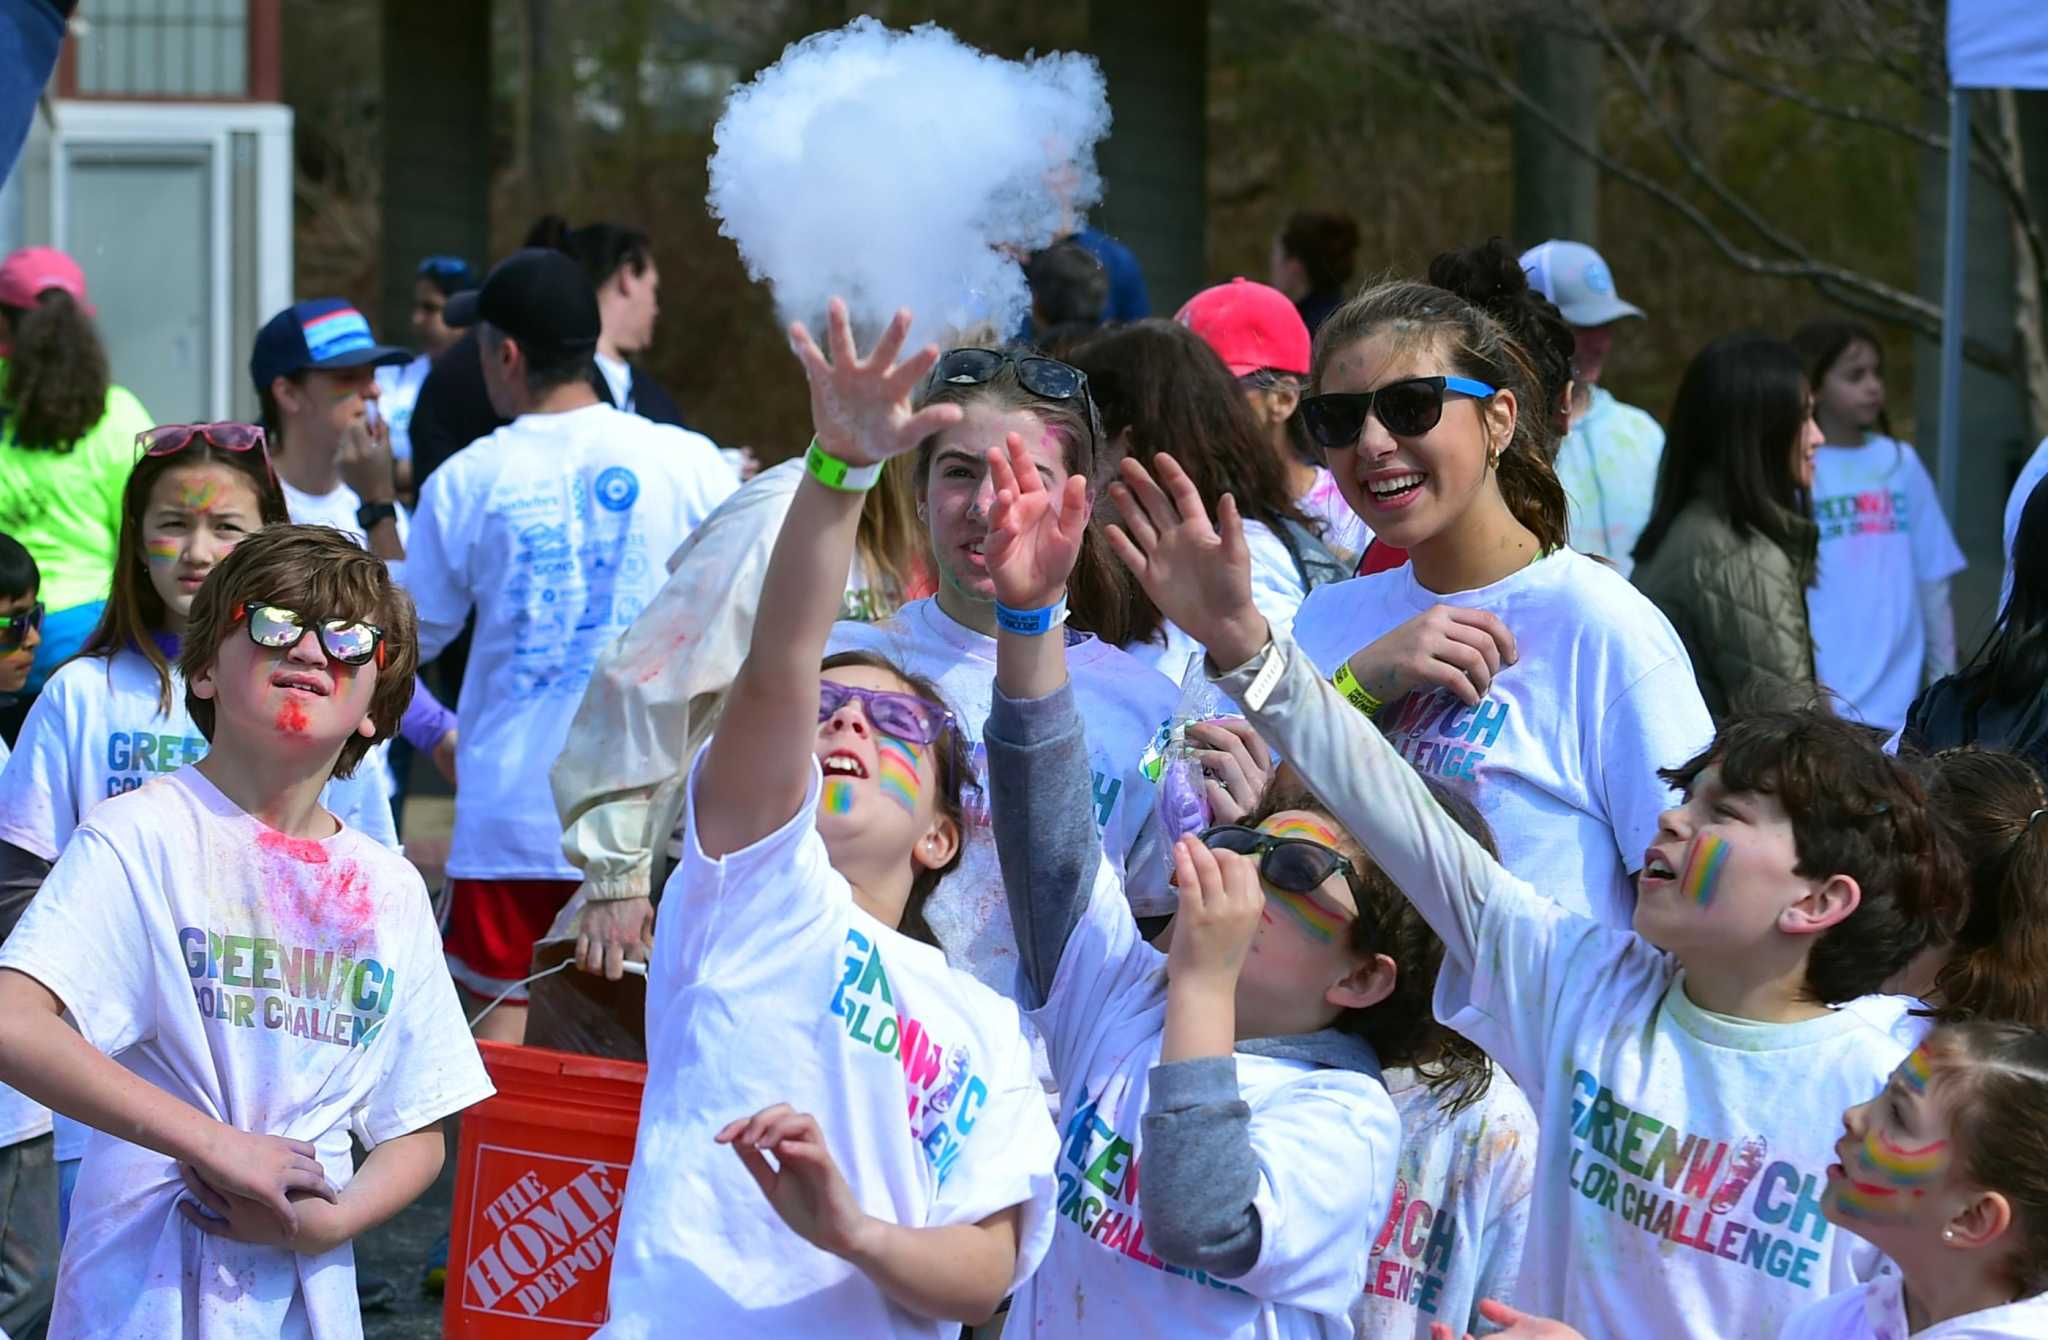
(1996,809)
(57,377)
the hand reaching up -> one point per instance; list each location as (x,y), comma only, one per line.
(802,1182)
(1520,1325)
(1034,534)
(1220,904)
(1199,575)
(861,407)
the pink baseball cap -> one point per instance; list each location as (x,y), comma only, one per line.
(1250,326)
(25,275)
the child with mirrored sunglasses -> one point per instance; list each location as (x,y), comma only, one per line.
(1236,1078)
(254,985)
(842,1134)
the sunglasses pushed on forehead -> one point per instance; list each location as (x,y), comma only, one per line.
(1046,378)
(168,439)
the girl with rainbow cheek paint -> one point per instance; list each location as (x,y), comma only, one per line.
(1946,1171)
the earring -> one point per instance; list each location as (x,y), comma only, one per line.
(1948,1235)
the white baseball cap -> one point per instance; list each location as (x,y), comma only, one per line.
(1572,275)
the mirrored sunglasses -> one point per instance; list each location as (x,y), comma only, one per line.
(349,641)
(16,627)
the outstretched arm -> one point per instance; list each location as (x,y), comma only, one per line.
(759,761)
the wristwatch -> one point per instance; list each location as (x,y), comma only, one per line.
(369,514)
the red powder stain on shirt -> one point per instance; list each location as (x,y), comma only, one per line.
(345,901)
(303,850)
(291,717)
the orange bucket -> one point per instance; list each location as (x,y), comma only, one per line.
(539,1179)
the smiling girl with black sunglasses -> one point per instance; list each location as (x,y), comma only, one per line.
(1526,676)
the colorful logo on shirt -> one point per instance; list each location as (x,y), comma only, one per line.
(321,995)
(617,488)
(1098,1191)
(1413,1252)
(1442,737)
(945,1094)
(133,757)
(1871,512)
(1725,1198)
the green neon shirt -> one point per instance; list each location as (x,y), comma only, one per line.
(65,506)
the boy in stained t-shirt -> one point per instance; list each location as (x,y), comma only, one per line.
(252,982)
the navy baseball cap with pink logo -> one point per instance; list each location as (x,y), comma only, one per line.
(322,334)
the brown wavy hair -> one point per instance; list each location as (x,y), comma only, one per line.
(1999,967)
(134,611)
(57,378)
(1402,1029)
(320,571)
(953,763)
(1471,344)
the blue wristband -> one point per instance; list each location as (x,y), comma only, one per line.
(1031,623)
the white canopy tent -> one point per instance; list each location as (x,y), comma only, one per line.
(1991,44)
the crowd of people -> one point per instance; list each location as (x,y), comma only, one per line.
(1481,860)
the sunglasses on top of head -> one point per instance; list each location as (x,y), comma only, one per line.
(905,716)
(1046,378)
(349,641)
(168,439)
(16,627)
(1406,408)
(1292,864)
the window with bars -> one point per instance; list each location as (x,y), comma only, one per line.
(163,48)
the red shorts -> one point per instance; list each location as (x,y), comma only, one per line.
(490,928)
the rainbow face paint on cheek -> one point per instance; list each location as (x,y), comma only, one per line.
(161,553)
(1317,922)
(1703,868)
(1889,1177)
(837,797)
(1916,1070)
(897,763)
(1301,828)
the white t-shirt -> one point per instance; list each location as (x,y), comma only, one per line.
(1344,530)
(1123,703)
(554,528)
(398,390)
(96,732)
(1608,466)
(280,985)
(1460,1216)
(338,509)
(1877,1311)
(1277,591)
(1562,756)
(1882,536)
(768,985)
(618,376)
(2031,474)
(1326,1141)
(1677,1190)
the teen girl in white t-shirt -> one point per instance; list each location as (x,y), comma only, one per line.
(1882,624)
(788,1017)
(949,637)
(1530,678)
(114,717)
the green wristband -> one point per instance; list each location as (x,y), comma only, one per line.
(834,473)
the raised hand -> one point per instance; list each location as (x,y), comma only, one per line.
(1235,766)
(364,460)
(803,1183)
(1220,904)
(1523,1326)
(1446,647)
(1034,534)
(861,407)
(1199,575)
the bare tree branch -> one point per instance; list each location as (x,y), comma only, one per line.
(1819,106)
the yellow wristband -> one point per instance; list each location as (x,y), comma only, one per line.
(1355,692)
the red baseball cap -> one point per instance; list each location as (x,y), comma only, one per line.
(25,274)
(1250,326)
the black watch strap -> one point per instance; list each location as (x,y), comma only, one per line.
(369,514)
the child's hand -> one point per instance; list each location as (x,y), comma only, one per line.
(1520,1325)
(318,1227)
(861,408)
(1034,535)
(1447,647)
(803,1184)
(1220,906)
(1235,766)
(266,1169)
(1200,576)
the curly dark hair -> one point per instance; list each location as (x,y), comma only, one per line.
(1491,277)
(57,378)
(1402,1029)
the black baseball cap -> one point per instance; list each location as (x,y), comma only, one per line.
(324,334)
(538,296)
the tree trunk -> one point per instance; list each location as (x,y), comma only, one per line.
(547,107)
(2027,306)
(1557,188)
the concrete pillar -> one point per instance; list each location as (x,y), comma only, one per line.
(1155,54)
(436,144)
